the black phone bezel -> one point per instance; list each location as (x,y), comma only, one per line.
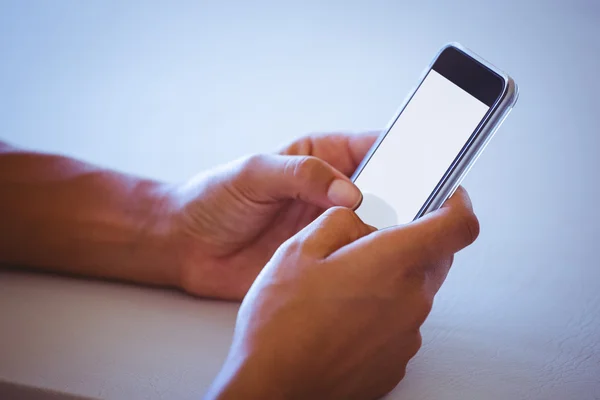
(470,75)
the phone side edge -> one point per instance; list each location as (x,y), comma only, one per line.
(482,138)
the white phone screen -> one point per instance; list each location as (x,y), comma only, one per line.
(417,151)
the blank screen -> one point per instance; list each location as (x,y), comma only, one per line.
(417,151)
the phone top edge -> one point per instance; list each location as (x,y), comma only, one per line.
(510,91)
(509,86)
(475,145)
(477,58)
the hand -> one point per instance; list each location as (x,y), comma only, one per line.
(227,224)
(336,313)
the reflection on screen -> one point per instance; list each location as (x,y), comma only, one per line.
(417,151)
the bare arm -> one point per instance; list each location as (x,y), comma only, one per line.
(63,215)
(370,291)
(209,236)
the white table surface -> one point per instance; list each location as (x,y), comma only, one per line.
(166,91)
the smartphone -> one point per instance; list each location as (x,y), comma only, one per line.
(417,163)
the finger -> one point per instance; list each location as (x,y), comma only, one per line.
(437,235)
(274,177)
(335,228)
(344,151)
(438,273)
(359,145)
(454,226)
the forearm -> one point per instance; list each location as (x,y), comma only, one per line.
(62,215)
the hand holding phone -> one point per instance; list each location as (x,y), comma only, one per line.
(421,158)
(337,312)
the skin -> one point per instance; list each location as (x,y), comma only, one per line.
(233,219)
(337,309)
(355,297)
(210,236)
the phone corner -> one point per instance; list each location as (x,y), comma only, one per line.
(512,90)
(448,45)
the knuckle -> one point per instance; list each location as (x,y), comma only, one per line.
(293,247)
(413,274)
(423,310)
(303,169)
(420,307)
(340,213)
(302,146)
(415,344)
(445,263)
(342,216)
(251,163)
(471,227)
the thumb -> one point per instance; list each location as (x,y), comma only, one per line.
(307,178)
(332,230)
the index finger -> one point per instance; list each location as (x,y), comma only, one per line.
(360,144)
(335,228)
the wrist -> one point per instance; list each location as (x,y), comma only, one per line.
(155,252)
